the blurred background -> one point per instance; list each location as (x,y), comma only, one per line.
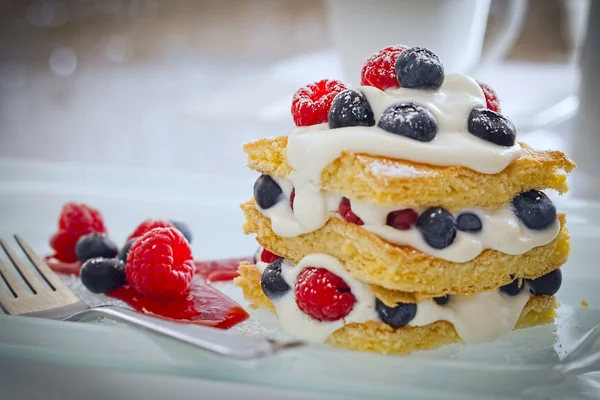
(179,85)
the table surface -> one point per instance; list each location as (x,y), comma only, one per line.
(144,115)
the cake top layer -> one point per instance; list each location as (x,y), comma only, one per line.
(408,109)
(425,126)
(399,182)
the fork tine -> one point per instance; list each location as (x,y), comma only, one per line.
(5,301)
(50,276)
(34,283)
(11,281)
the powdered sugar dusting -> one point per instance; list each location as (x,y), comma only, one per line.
(380,168)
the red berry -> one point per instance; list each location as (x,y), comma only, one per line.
(75,221)
(346,212)
(268,257)
(310,104)
(380,69)
(148,225)
(323,295)
(292,197)
(402,219)
(491,98)
(160,264)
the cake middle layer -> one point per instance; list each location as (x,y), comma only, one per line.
(457,237)
(375,261)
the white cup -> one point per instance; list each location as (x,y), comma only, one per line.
(586,135)
(453,29)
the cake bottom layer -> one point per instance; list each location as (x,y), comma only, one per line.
(381,338)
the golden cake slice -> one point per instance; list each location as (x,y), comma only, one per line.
(389,181)
(379,337)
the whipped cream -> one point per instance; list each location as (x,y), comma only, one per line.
(501,229)
(295,321)
(308,215)
(477,318)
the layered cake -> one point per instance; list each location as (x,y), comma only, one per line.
(404,215)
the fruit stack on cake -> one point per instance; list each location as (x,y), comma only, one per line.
(403,215)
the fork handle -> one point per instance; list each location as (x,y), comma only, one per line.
(215,340)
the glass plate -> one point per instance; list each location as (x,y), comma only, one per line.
(560,360)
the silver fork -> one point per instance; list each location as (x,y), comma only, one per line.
(61,303)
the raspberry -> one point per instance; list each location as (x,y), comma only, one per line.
(379,70)
(292,198)
(402,219)
(75,221)
(345,211)
(491,98)
(160,264)
(147,225)
(323,295)
(310,104)
(63,242)
(268,257)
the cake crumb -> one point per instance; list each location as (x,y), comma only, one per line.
(584,303)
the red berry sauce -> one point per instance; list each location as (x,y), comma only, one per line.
(218,270)
(63,267)
(203,305)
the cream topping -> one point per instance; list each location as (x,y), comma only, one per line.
(483,317)
(478,318)
(311,149)
(502,230)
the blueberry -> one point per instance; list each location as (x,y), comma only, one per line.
(410,120)
(513,288)
(95,245)
(101,275)
(468,222)
(546,285)
(273,284)
(534,209)
(491,126)
(266,192)
(350,108)
(184,229)
(125,250)
(419,68)
(437,227)
(398,316)
(442,300)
